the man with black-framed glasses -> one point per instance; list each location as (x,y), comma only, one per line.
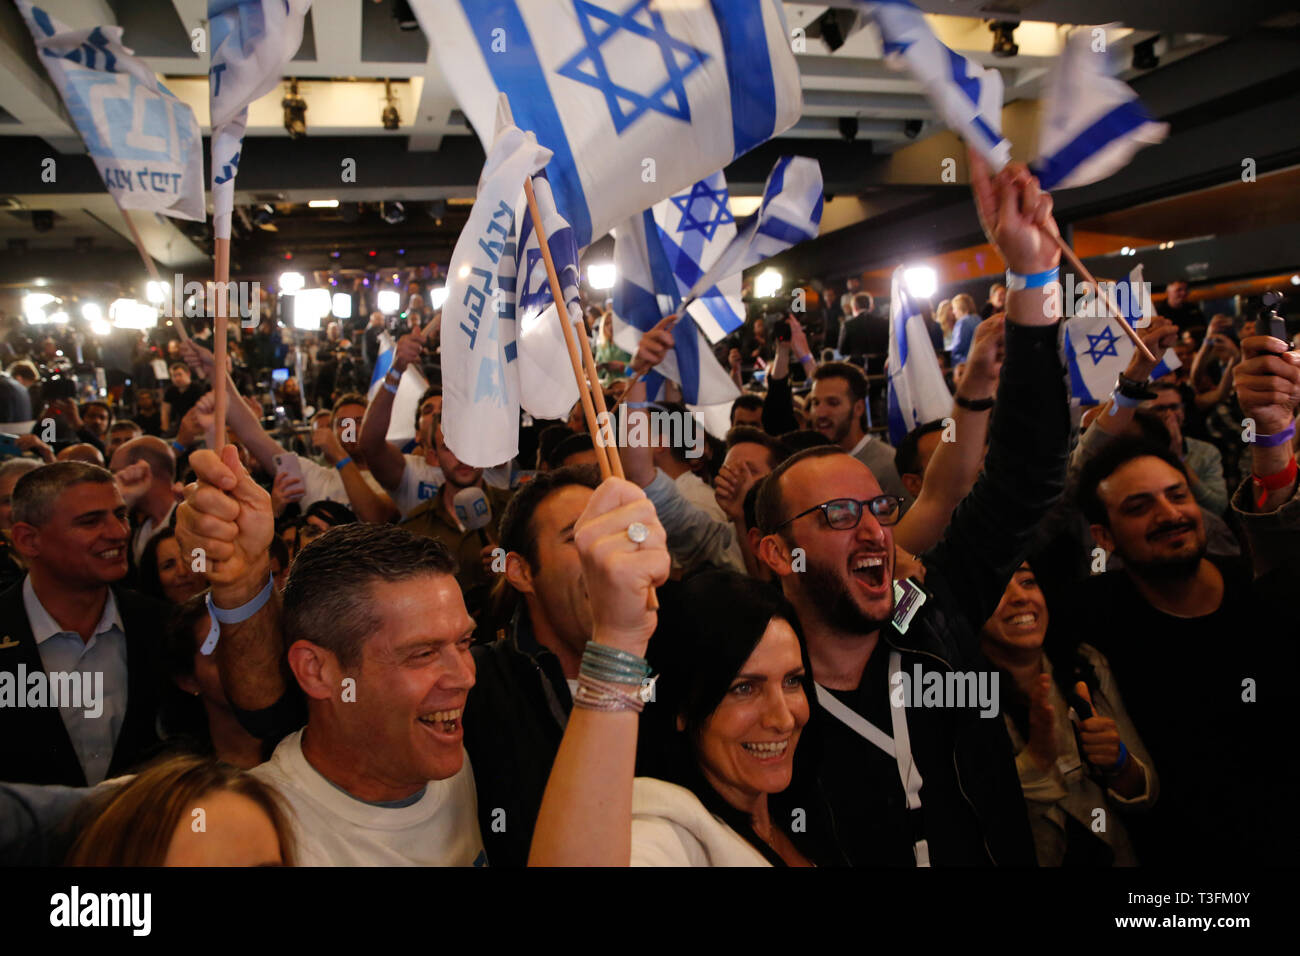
(912,777)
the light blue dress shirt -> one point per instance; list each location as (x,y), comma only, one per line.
(64,651)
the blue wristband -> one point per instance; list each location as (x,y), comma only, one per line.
(1118,401)
(342,462)
(1034,281)
(234,615)
(179,447)
(1120,763)
(1281,438)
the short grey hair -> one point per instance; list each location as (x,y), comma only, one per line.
(18,466)
(35,494)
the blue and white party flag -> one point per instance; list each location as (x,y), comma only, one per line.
(252,42)
(636,99)
(1092,121)
(645,292)
(966,95)
(917,390)
(143,140)
(480,374)
(789,213)
(1097,349)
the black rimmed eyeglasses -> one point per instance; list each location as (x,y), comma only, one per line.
(844,514)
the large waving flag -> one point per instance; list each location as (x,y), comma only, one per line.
(1092,121)
(1097,349)
(917,390)
(789,213)
(480,374)
(636,99)
(252,41)
(966,95)
(646,292)
(143,140)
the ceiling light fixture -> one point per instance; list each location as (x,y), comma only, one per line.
(295,112)
(389,117)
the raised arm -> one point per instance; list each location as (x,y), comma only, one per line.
(386,463)
(1024,470)
(226,517)
(586,813)
(956,464)
(239,417)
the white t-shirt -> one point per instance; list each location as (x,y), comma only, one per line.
(421,481)
(334,829)
(324,483)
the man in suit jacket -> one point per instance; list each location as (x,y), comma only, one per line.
(864,339)
(79,683)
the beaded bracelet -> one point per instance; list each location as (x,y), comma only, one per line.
(606,696)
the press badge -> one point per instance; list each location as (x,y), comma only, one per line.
(908,598)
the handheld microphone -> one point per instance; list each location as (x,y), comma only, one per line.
(473,511)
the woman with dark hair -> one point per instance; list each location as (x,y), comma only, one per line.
(729,708)
(165,573)
(149,821)
(195,708)
(1076,748)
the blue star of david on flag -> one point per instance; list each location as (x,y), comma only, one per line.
(1101,345)
(627,105)
(714,205)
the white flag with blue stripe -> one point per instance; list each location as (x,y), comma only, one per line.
(401,420)
(1092,121)
(789,213)
(917,390)
(546,385)
(635,99)
(143,140)
(966,95)
(252,42)
(1097,350)
(646,291)
(480,374)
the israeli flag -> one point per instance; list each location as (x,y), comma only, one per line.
(646,292)
(480,374)
(1097,349)
(401,422)
(1092,121)
(967,96)
(252,41)
(547,388)
(789,213)
(143,140)
(636,99)
(917,390)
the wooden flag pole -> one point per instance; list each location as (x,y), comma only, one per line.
(606,455)
(221,268)
(1083,270)
(152,268)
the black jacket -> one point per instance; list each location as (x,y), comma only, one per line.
(514,720)
(34,744)
(966,574)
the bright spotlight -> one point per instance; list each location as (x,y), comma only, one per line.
(155,292)
(34,304)
(60,317)
(1295,280)
(921,281)
(100,327)
(768,283)
(437,297)
(389,301)
(601,275)
(342,305)
(309,307)
(130,314)
(322,203)
(291,281)
(92,313)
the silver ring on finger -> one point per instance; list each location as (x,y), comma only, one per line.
(637,532)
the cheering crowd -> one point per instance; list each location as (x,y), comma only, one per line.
(1014,639)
